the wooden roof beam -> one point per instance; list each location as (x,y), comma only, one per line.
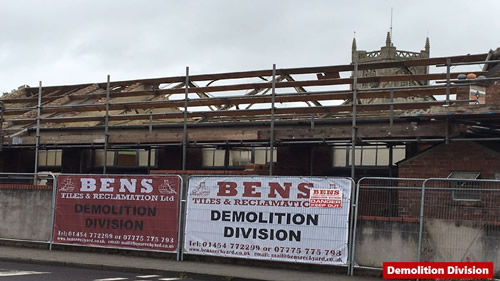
(284,71)
(250,112)
(237,100)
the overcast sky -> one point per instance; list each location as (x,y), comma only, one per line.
(78,41)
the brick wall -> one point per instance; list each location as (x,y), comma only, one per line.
(439,162)
(24,186)
(463,93)
(493,93)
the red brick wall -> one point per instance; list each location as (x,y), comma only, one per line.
(463,93)
(493,93)
(24,186)
(440,161)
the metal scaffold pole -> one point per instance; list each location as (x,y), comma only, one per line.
(354,113)
(106,127)
(184,137)
(448,77)
(2,108)
(37,140)
(271,137)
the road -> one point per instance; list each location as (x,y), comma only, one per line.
(34,272)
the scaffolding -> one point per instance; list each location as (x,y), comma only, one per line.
(264,108)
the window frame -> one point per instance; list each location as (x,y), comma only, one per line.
(57,158)
(229,163)
(459,181)
(153,159)
(380,151)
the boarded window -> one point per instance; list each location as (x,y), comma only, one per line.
(126,158)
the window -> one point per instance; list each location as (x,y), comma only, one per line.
(368,155)
(497,176)
(237,156)
(340,156)
(262,155)
(125,158)
(49,158)
(99,158)
(143,157)
(240,156)
(213,157)
(464,187)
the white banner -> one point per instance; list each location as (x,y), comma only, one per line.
(269,218)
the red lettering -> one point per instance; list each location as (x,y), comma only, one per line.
(227,188)
(249,189)
(304,190)
(283,191)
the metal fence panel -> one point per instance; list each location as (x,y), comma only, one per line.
(461,221)
(137,212)
(26,206)
(386,222)
(269,218)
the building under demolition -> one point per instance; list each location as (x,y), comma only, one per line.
(389,113)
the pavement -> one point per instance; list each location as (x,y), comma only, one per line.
(122,262)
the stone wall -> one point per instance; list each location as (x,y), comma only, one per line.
(26,212)
(379,241)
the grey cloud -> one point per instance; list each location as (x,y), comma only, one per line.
(66,42)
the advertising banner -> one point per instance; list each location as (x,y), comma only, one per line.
(139,212)
(294,219)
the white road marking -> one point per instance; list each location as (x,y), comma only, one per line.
(148,276)
(20,273)
(111,279)
(170,279)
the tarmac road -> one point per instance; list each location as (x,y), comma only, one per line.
(82,265)
(34,272)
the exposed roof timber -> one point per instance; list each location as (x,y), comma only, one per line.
(301,89)
(257,86)
(284,71)
(250,112)
(236,100)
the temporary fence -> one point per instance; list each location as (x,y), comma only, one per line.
(383,229)
(293,219)
(461,221)
(428,220)
(319,220)
(26,206)
(139,212)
